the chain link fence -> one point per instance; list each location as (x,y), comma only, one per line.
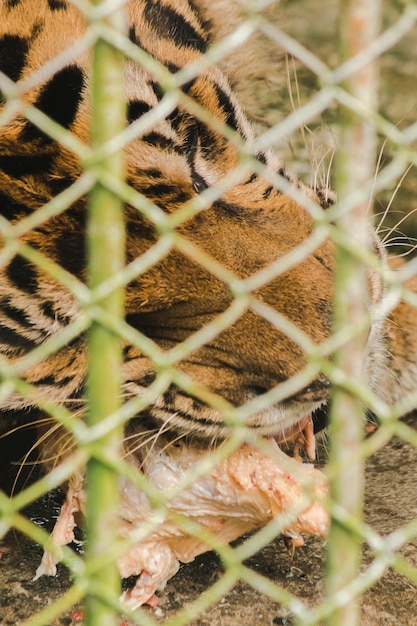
(345,89)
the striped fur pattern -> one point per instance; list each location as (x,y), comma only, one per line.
(249,227)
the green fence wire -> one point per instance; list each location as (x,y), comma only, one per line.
(106,247)
(359,26)
(353,86)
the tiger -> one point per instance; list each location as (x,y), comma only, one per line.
(246,228)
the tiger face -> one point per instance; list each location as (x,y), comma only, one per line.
(246,228)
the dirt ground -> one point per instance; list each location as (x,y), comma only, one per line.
(391,502)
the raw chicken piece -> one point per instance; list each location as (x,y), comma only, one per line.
(63,531)
(242,492)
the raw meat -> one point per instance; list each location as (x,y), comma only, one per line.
(242,492)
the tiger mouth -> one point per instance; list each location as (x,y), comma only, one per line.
(301,435)
(293,432)
(177,415)
(296,434)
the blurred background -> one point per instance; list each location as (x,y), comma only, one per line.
(309,152)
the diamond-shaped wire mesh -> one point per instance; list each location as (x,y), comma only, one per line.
(174,303)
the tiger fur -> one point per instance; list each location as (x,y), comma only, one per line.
(249,227)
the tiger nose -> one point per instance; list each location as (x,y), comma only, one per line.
(316,391)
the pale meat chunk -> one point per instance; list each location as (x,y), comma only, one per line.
(63,531)
(242,492)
